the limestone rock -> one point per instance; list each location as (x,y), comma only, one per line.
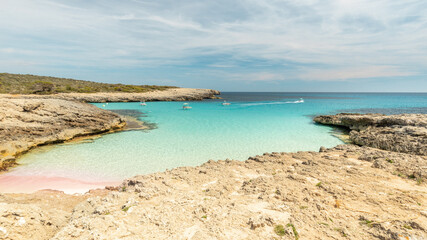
(406,133)
(28,123)
(341,195)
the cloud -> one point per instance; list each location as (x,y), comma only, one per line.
(221,66)
(7,50)
(350,73)
(324,40)
(257,77)
(125,17)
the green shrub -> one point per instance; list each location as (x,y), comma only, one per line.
(279,230)
(42,87)
(294,230)
(31,84)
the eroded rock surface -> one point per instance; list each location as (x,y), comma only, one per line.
(27,123)
(405,133)
(39,215)
(338,193)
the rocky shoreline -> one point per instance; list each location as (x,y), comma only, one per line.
(405,133)
(172,94)
(25,124)
(345,192)
(338,193)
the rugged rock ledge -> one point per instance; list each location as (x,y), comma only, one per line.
(339,193)
(27,123)
(405,133)
(172,94)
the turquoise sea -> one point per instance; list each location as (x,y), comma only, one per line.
(253,124)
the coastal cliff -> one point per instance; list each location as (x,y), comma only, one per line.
(27,123)
(405,133)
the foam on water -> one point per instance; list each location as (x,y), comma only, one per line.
(254,123)
(271,103)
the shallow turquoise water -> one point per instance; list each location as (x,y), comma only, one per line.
(254,123)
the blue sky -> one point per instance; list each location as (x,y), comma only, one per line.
(229,45)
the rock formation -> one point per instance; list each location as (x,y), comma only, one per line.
(26,123)
(406,133)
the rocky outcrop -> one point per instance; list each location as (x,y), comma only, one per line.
(27,123)
(172,94)
(406,133)
(339,193)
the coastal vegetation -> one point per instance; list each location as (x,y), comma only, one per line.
(33,84)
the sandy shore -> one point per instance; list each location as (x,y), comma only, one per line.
(346,192)
(26,184)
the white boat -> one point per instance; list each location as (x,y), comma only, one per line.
(185,106)
(143,103)
(300,101)
(225,103)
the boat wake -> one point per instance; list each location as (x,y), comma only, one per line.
(273,103)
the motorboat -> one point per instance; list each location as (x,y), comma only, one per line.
(225,103)
(185,106)
(143,103)
(300,101)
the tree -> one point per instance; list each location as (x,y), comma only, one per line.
(42,87)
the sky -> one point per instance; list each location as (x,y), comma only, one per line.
(228,45)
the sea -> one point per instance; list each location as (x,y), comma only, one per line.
(254,123)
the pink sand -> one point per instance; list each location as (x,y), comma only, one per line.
(29,184)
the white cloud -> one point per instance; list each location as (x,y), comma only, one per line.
(370,35)
(257,77)
(7,50)
(354,73)
(125,17)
